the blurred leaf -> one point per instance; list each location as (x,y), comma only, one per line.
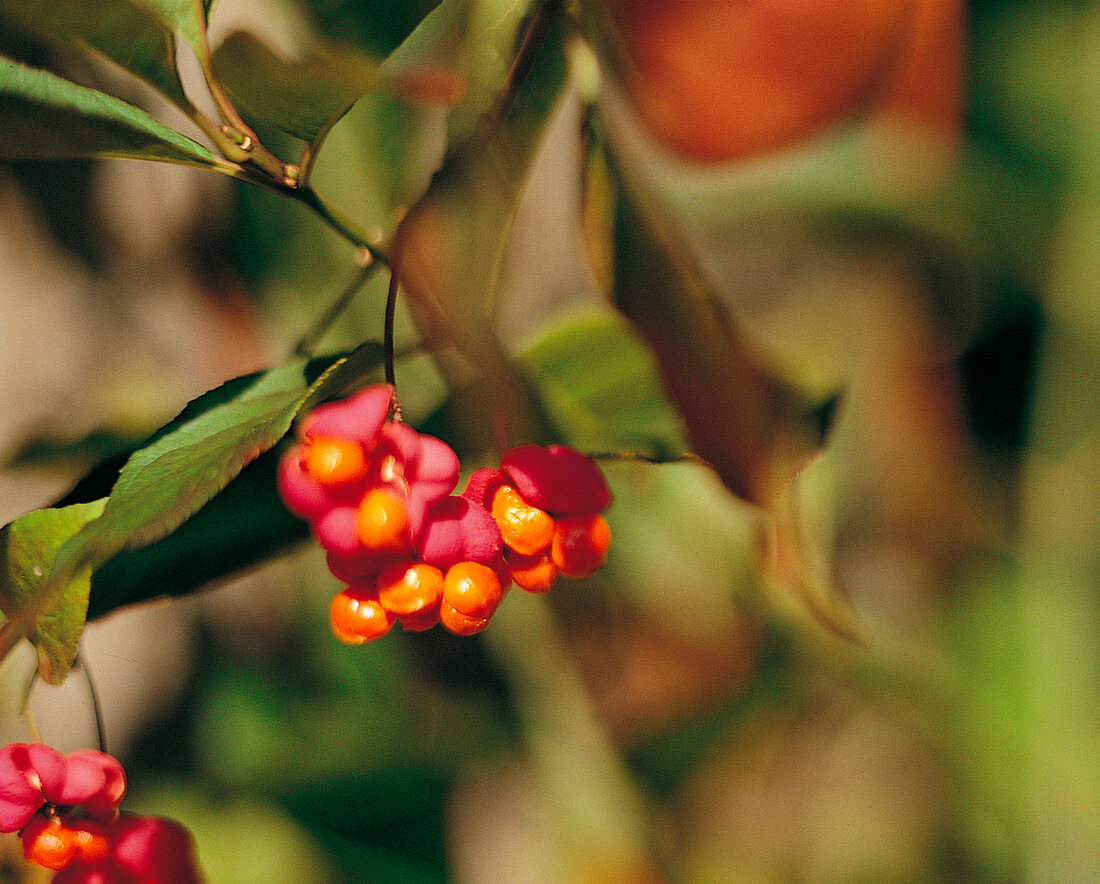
(122,31)
(302,97)
(454,60)
(476,37)
(43,116)
(750,428)
(601,389)
(187,18)
(198,454)
(298,736)
(450,246)
(29,545)
(239,840)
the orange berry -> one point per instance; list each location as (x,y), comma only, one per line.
(357,617)
(525,528)
(459,623)
(535,573)
(580,544)
(472,589)
(334,461)
(409,587)
(49,843)
(382,522)
(421,620)
(92,845)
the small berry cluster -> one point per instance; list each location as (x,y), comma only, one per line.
(378,497)
(65,808)
(548,504)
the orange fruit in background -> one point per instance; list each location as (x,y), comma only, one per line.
(718,80)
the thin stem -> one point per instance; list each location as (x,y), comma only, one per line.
(97,708)
(540,21)
(341,223)
(387,338)
(10,633)
(639,457)
(307,345)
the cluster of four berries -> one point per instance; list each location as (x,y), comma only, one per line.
(378,497)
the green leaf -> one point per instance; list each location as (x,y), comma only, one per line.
(475,37)
(243,525)
(43,116)
(125,33)
(198,454)
(186,18)
(302,97)
(28,547)
(601,388)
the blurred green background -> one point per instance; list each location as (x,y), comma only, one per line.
(902,688)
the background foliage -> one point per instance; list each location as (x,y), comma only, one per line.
(874,663)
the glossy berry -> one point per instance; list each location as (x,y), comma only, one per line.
(526,529)
(92,844)
(580,544)
(356,616)
(536,573)
(472,589)
(335,461)
(421,620)
(459,623)
(408,588)
(49,843)
(382,522)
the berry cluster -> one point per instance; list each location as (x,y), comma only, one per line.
(65,808)
(547,503)
(378,497)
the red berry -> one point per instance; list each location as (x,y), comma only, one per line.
(335,461)
(359,417)
(49,843)
(535,573)
(557,478)
(152,850)
(472,589)
(96,782)
(382,522)
(457,530)
(459,623)
(410,587)
(525,528)
(580,544)
(357,617)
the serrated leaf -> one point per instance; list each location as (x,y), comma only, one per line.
(241,526)
(28,547)
(123,32)
(164,483)
(43,116)
(302,97)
